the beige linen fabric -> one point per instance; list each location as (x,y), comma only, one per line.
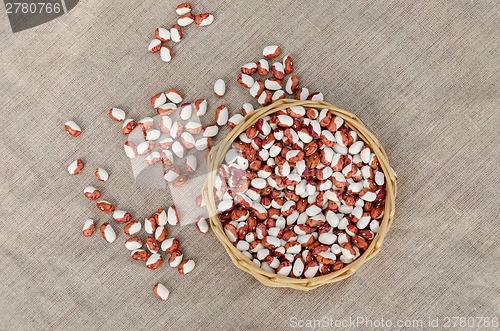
(422,75)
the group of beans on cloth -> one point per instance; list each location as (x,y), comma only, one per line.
(153,225)
(175,34)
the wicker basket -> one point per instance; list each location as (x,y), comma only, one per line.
(216,157)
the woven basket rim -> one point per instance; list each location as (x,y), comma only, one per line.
(216,157)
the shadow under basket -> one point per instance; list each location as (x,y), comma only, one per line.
(216,157)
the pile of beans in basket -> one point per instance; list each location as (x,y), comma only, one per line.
(299,194)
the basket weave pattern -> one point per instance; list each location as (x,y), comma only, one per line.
(216,157)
